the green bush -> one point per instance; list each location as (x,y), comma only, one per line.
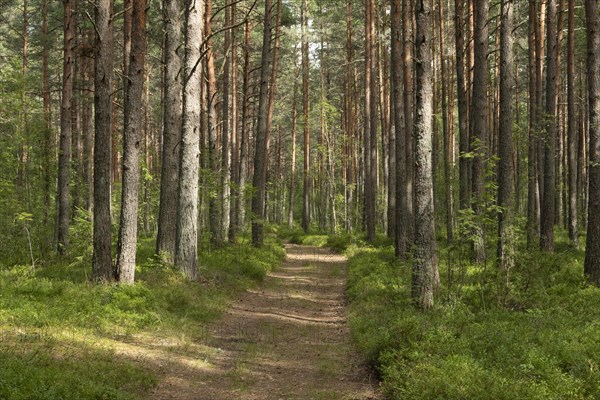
(540,342)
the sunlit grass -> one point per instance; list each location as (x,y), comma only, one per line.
(60,334)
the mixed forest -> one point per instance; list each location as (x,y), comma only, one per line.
(155,156)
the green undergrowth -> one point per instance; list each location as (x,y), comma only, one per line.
(541,340)
(60,334)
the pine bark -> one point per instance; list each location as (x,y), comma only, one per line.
(103,77)
(214,209)
(370,124)
(408,41)
(479,125)
(401,233)
(167,215)
(305,118)
(572,129)
(262,135)
(462,103)
(226,127)
(186,239)
(64,155)
(548,206)
(132,137)
(505,144)
(292,189)
(425,261)
(592,253)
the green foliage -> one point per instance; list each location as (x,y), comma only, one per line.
(65,319)
(543,343)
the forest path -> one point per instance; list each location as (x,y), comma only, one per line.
(287,339)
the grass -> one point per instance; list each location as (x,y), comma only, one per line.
(541,341)
(59,334)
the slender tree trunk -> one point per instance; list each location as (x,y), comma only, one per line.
(226,126)
(235,149)
(245,136)
(132,136)
(350,128)
(532,185)
(370,123)
(64,156)
(407,37)
(273,91)
(461,94)
(293,139)
(572,128)
(262,135)
(425,260)
(505,175)
(548,208)
(88,139)
(47,111)
(448,143)
(305,112)
(103,75)
(186,240)
(592,253)
(479,126)
(214,211)
(401,234)
(167,214)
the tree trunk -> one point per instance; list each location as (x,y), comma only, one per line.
(186,244)
(235,150)
(407,37)
(461,94)
(305,112)
(448,143)
(262,135)
(370,124)
(293,139)
(548,207)
(532,185)
(103,75)
(214,211)
(64,155)
(132,136)
(425,260)
(592,253)
(401,235)
(47,111)
(505,146)
(226,127)
(572,129)
(479,125)
(167,214)
(245,136)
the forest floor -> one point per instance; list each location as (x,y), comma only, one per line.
(286,339)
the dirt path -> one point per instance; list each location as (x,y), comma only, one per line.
(288,339)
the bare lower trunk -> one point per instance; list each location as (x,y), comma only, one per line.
(103,75)
(548,206)
(132,137)
(479,128)
(262,135)
(505,145)
(186,245)
(592,253)
(425,260)
(167,215)
(64,155)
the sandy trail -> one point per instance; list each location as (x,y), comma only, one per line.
(287,339)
